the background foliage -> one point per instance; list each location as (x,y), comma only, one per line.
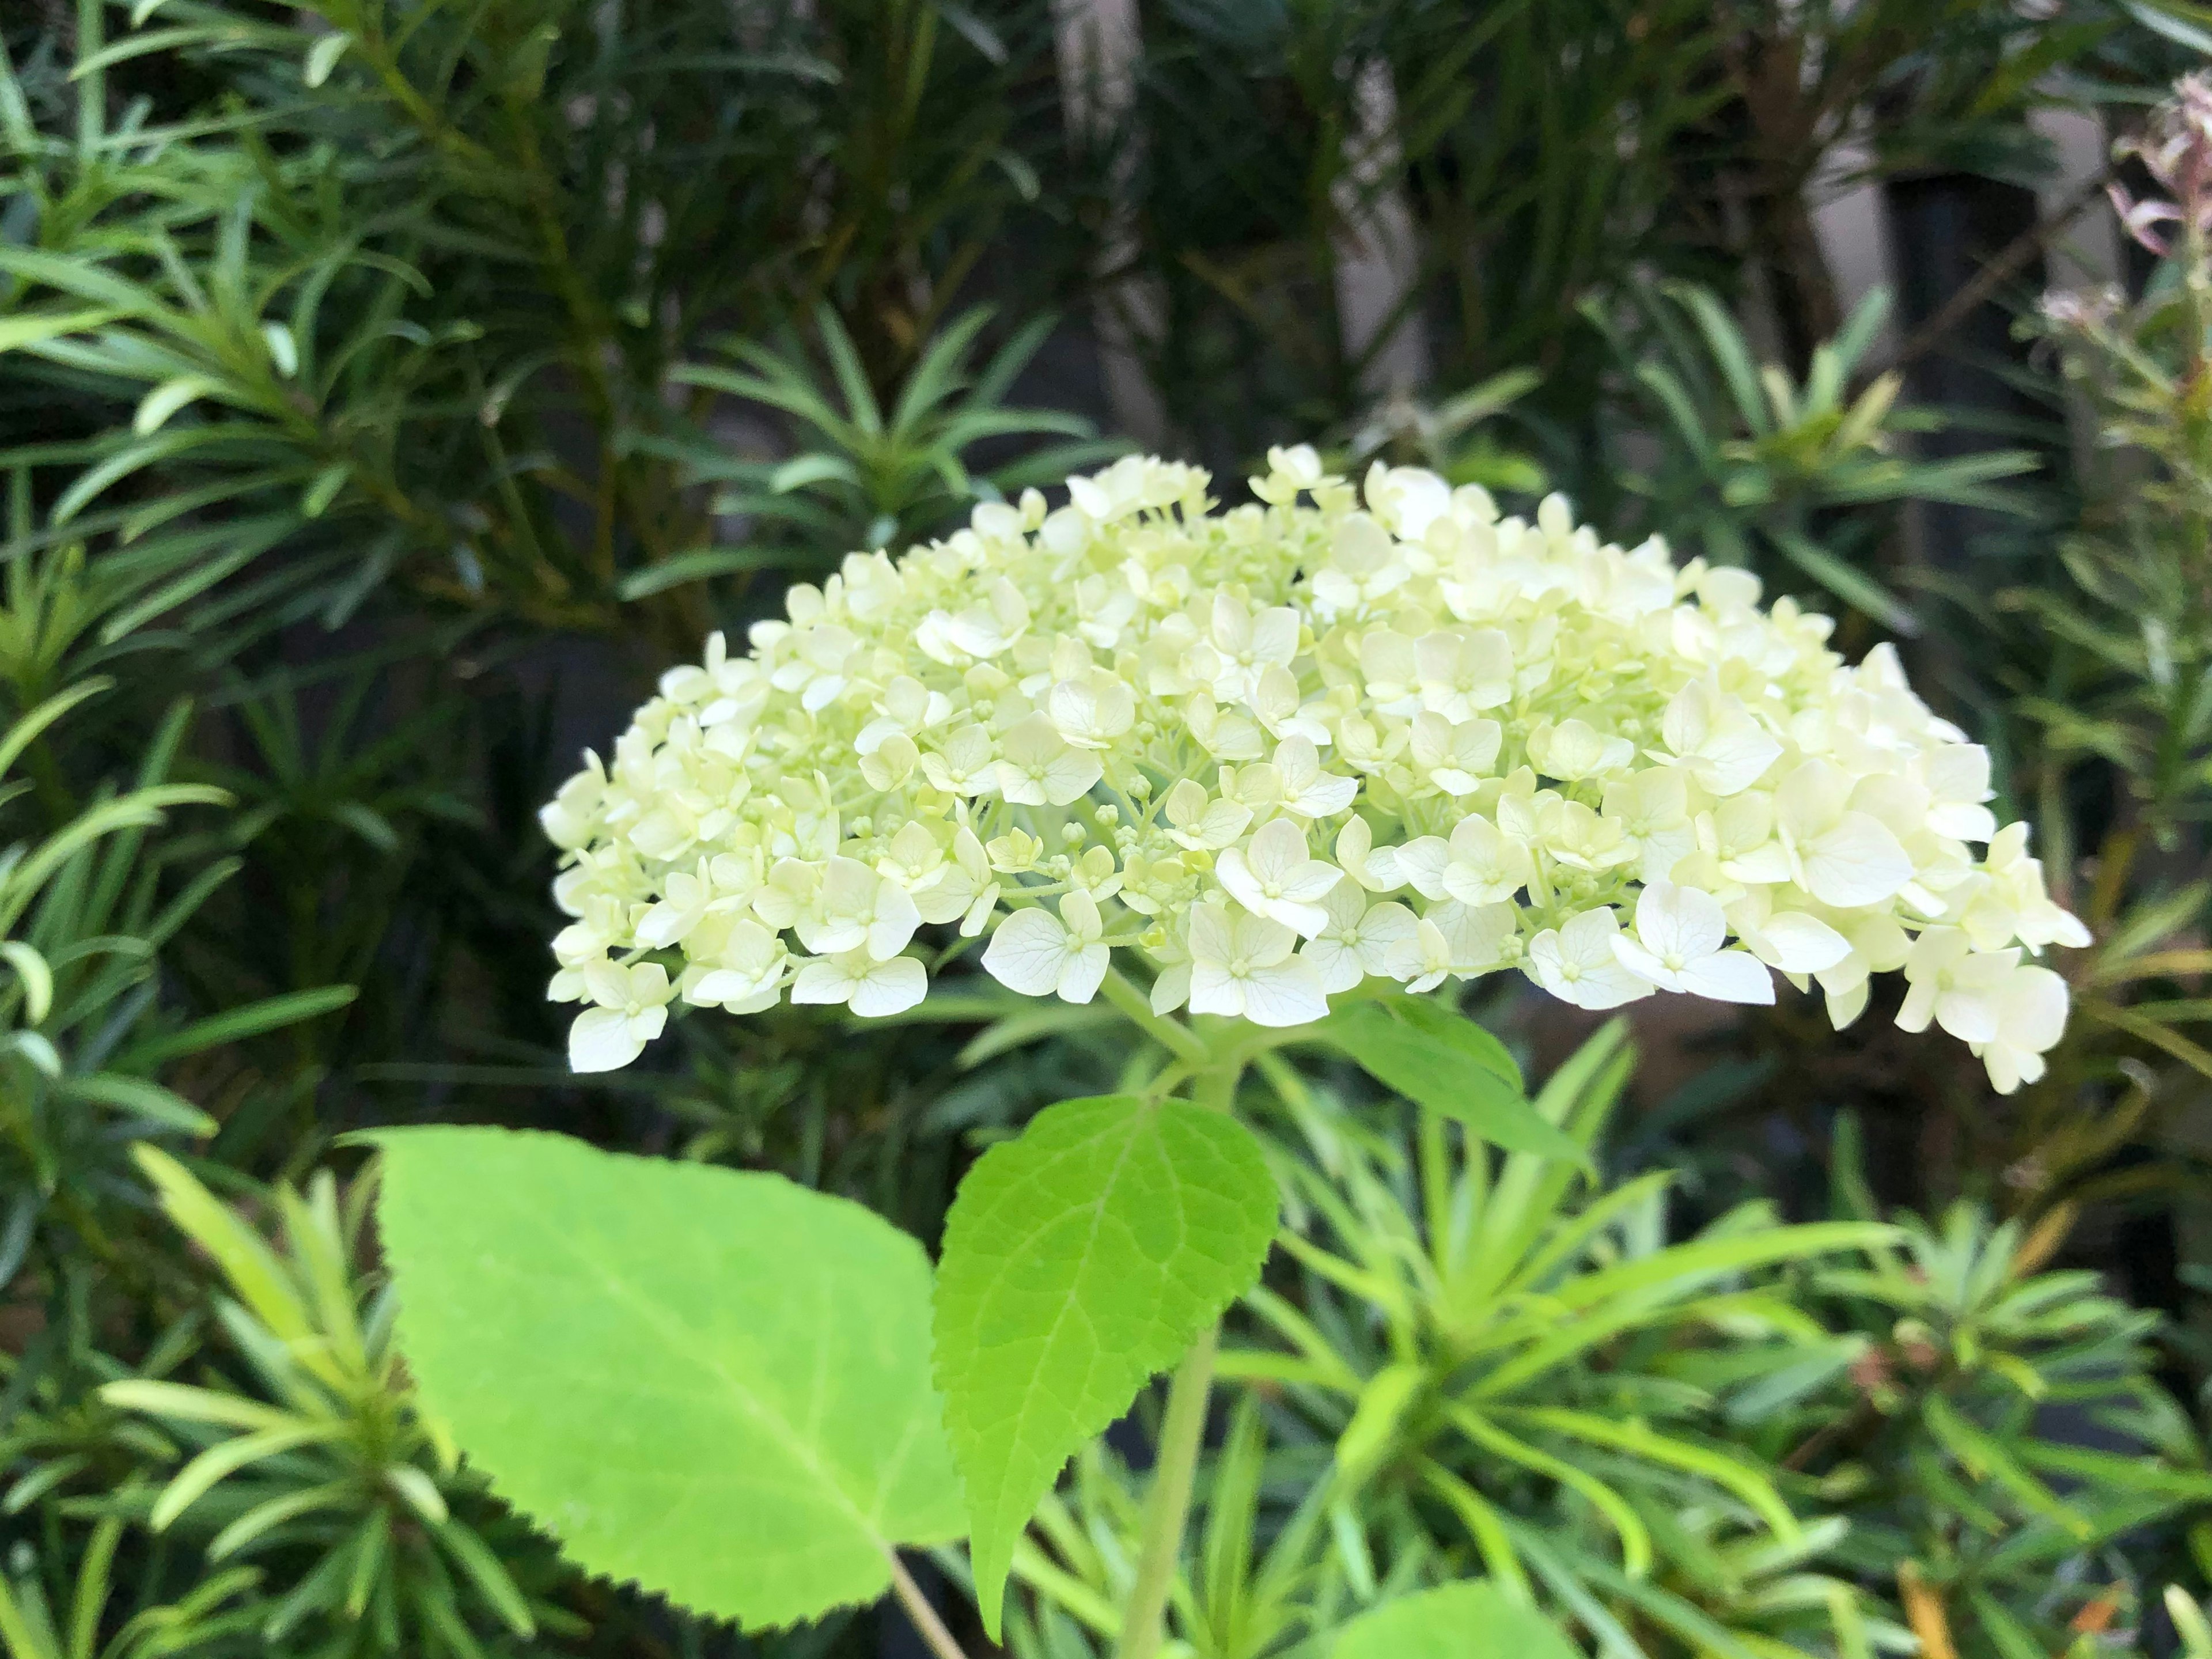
(388,388)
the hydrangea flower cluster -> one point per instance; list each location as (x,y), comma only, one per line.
(1281,749)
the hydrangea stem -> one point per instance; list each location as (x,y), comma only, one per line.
(931,1628)
(1181,1433)
(1176,1037)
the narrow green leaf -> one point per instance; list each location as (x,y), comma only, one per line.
(141,1097)
(186,1404)
(1372,1434)
(25,732)
(1731,353)
(1456,1621)
(1983,1457)
(1079,1260)
(38,979)
(1723,1469)
(29,327)
(482,1564)
(195,1480)
(804,469)
(323,56)
(155,408)
(235,1023)
(339,1495)
(1855,588)
(244,1255)
(697,567)
(713,1384)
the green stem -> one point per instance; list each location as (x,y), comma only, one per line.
(1176,1037)
(1181,1433)
(935,1636)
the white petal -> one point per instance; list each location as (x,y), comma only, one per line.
(2033,1008)
(1346,905)
(1600,988)
(891,988)
(1303,921)
(1264,942)
(1275,634)
(1288,993)
(1918,1007)
(607,983)
(1730,976)
(1588,939)
(1381,930)
(1029,952)
(1071,776)
(1080,912)
(821,979)
(1236,876)
(1212,935)
(1802,944)
(601,1040)
(1846,1004)
(1325,797)
(1082,973)
(1857,862)
(1171,989)
(1338,964)
(1969,1016)
(1212,991)
(1422,864)
(1277,849)
(1310,882)
(1641,962)
(1018,786)
(1811,799)
(1684,923)
(896,918)
(1734,761)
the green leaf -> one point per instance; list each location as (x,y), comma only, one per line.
(1452,1071)
(233,1024)
(1857,589)
(323,56)
(697,567)
(713,1384)
(141,1097)
(1447,1024)
(216,1464)
(166,399)
(254,1273)
(1458,1621)
(29,327)
(38,979)
(1079,1260)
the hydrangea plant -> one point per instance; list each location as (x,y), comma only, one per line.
(1276,753)
(1298,762)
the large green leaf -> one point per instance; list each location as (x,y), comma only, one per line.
(714,1384)
(1079,1260)
(1458,1621)
(1447,1064)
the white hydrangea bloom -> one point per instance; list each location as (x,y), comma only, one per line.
(1280,751)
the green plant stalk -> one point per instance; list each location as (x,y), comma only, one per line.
(1178,1039)
(1181,1433)
(935,1636)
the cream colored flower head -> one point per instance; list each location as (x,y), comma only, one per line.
(1276,751)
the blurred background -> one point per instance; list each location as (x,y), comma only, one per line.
(390,390)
